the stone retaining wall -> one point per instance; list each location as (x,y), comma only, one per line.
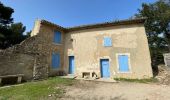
(26,58)
(167,59)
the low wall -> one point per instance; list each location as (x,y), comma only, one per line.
(11,64)
(25,58)
(167,59)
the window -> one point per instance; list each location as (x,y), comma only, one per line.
(107,41)
(55,60)
(57,37)
(123,61)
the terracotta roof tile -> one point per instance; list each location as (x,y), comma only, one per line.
(98,25)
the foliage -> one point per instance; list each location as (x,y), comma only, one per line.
(5,15)
(157,28)
(10,33)
(36,90)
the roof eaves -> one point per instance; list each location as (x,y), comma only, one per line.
(107,24)
(97,25)
(52,24)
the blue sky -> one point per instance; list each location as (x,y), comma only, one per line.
(69,13)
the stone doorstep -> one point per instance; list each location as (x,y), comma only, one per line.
(107,80)
(91,79)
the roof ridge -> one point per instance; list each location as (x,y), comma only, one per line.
(97,25)
(108,22)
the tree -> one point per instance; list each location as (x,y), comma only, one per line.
(5,15)
(157,28)
(5,18)
(17,33)
(10,33)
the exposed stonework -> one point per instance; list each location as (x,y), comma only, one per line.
(19,59)
(163,74)
(29,58)
(16,63)
(167,59)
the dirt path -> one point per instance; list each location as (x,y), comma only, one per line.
(89,90)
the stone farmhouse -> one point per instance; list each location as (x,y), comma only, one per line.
(116,49)
(108,50)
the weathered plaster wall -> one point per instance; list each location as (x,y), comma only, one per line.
(87,47)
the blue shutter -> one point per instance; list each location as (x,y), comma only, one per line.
(57,37)
(123,63)
(55,60)
(107,42)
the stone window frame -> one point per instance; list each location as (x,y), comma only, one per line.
(129,64)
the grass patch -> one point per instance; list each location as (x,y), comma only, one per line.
(150,80)
(41,90)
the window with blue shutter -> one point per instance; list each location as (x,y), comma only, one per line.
(107,41)
(123,63)
(55,60)
(57,37)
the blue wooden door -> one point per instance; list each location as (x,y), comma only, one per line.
(105,68)
(55,60)
(123,63)
(71,65)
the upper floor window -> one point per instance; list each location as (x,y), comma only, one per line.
(57,37)
(107,41)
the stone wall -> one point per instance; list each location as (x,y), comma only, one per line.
(16,63)
(27,58)
(167,59)
(47,47)
(33,56)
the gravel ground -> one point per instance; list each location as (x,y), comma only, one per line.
(91,90)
